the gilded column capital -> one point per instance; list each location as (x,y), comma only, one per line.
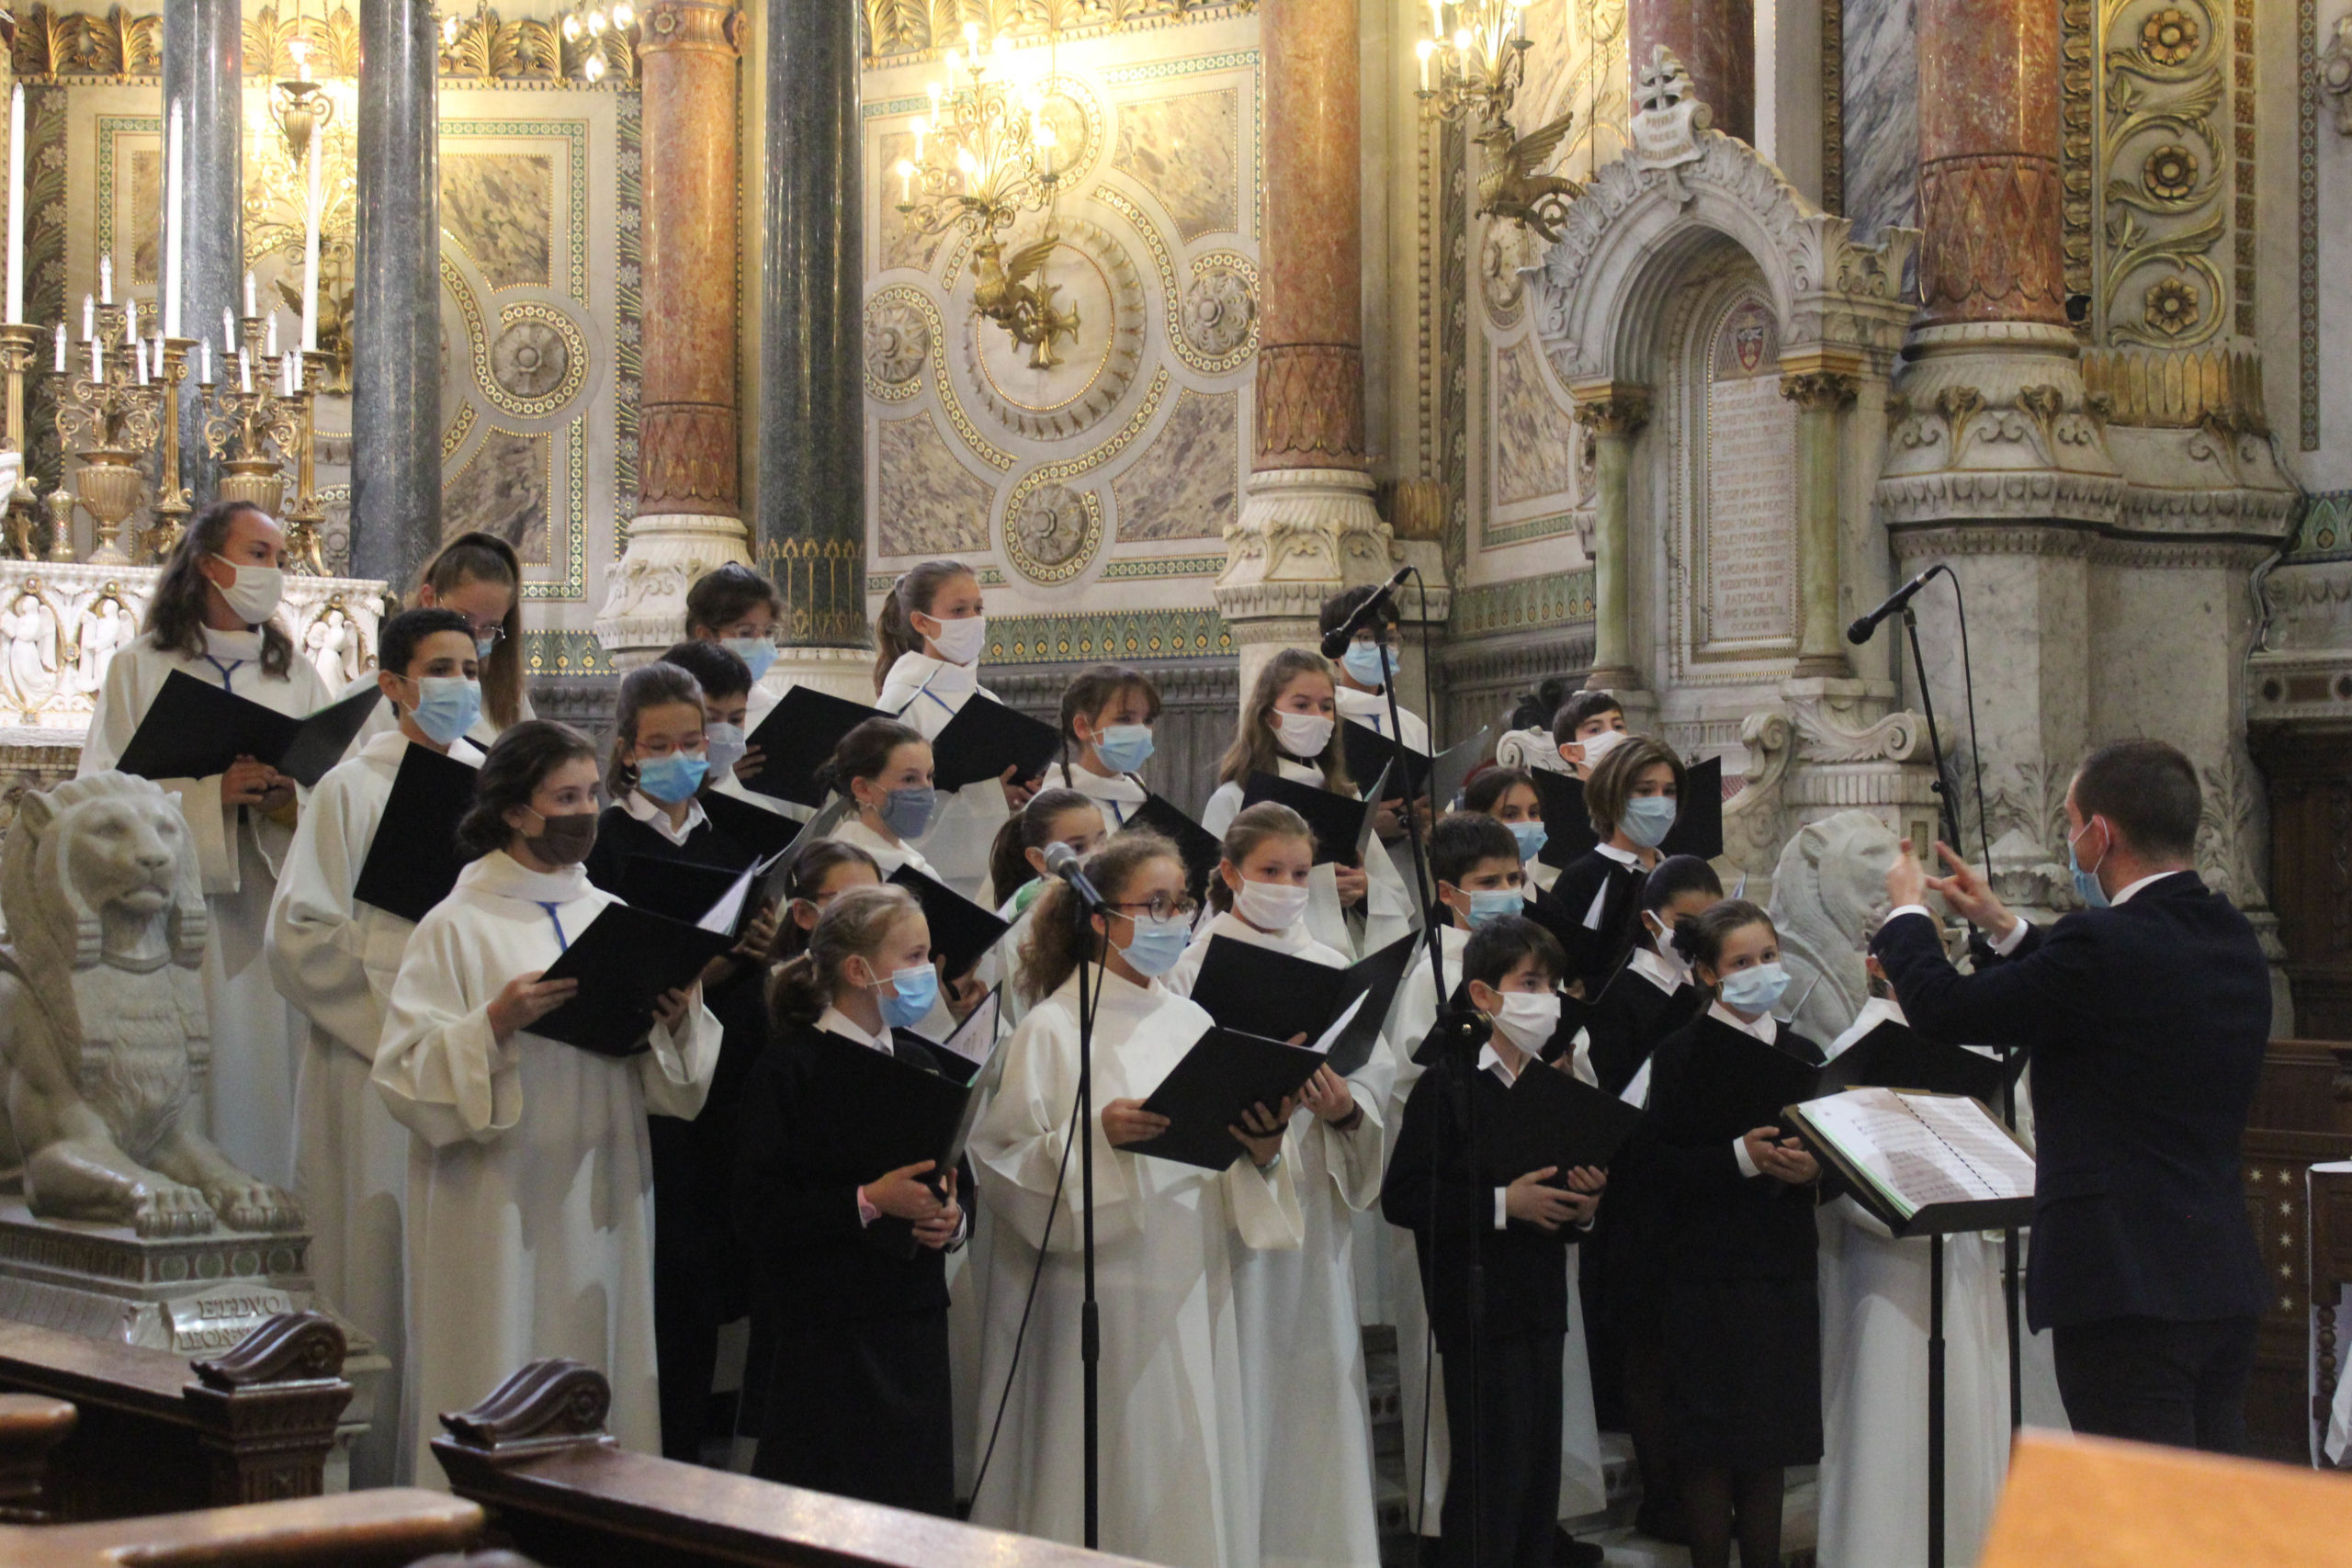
(1814,391)
(1612,408)
(668,26)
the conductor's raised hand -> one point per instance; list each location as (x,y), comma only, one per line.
(904,1195)
(1532,1200)
(526,1000)
(1126,1122)
(1260,1128)
(1966,891)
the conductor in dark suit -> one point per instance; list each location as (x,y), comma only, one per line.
(2145,1016)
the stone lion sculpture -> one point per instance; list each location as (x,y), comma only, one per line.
(1828,896)
(104,1041)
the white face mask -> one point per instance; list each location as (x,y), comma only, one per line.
(255,592)
(1529,1019)
(1270,906)
(960,641)
(1596,747)
(724,744)
(1304,735)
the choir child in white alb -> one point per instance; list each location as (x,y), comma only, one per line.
(530,1196)
(479,576)
(883,767)
(1106,717)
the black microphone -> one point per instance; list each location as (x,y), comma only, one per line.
(1068,863)
(1336,640)
(1860,631)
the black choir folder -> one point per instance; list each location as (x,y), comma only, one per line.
(1551,1118)
(1198,846)
(413,860)
(1371,753)
(1342,824)
(1698,824)
(961,932)
(757,828)
(194,729)
(797,737)
(1275,996)
(1922,1164)
(1225,1073)
(624,961)
(984,739)
(1892,1057)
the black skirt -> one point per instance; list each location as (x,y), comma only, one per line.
(1743,1371)
(861,1409)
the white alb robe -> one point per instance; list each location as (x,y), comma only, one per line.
(334,958)
(926,692)
(1118,793)
(1874,1305)
(530,1183)
(249,1093)
(1177,1483)
(1302,1347)
(888,856)
(1388,899)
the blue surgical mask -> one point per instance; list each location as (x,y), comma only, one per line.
(1755,991)
(672,778)
(724,744)
(1124,748)
(908,811)
(1369,663)
(910,996)
(1157,945)
(484,647)
(757,652)
(2086,886)
(1532,837)
(1647,820)
(1492,903)
(446,707)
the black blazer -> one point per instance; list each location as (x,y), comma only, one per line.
(1595,953)
(1629,1020)
(811,1260)
(1433,1189)
(2146,1024)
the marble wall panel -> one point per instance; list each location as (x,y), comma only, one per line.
(1183,149)
(1187,483)
(926,502)
(1535,442)
(146,195)
(503,490)
(501,207)
(1881,117)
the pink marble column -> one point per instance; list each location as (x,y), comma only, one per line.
(1715,40)
(1990,199)
(1310,356)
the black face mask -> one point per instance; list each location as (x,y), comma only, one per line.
(562,840)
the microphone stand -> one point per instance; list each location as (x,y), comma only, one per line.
(1084,902)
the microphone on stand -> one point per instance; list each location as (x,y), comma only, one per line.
(1859,632)
(1336,640)
(1069,864)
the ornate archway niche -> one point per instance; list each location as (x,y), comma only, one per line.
(1663,248)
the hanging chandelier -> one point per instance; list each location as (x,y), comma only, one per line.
(1478,68)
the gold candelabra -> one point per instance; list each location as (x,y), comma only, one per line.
(1478,68)
(18,342)
(256,422)
(109,414)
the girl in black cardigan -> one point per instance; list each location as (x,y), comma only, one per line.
(1733,1221)
(1633,797)
(849,1264)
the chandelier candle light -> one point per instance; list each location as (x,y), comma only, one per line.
(1478,68)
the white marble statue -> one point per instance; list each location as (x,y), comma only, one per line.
(103,1039)
(29,629)
(1828,896)
(105,627)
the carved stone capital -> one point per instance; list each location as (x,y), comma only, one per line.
(1310,406)
(1818,390)
(1992,223)
(669,26)
(1612,408)
(645,600)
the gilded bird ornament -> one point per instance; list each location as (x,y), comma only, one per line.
(1002,291)
(1511,187)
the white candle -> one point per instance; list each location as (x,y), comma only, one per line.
(139,359)
(130,321)
(250,309)
(106,280)
(314,215)
(227,332)
(61,348)
(204,362)
(156,355)
(17,204)
(97,363)
(244,371)
(89,318)
(174,222)
(295,370)
(269,344)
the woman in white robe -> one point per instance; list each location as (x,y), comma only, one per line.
(334,958)
(1874,1306)
(212,617)
(479,576)
(1177,1485)
(1302,1347)
(530,1183)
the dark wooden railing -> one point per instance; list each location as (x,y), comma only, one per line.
(2302,1116)
(387,1529)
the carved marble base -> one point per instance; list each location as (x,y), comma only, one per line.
(839,671)
(1305,534)
(196,1296)
(645,605)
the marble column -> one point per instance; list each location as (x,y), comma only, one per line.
(1307,527)
(203,61)
(1615,414)
(689,517)
(396,307)
(811,532)
(1715,40)
(1820,394)
(1990,195)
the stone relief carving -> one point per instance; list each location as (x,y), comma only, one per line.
(898,340)
(1051,527)
(1828,896)
(1219,310)
(529,358)
(2335,73)
(102,1012)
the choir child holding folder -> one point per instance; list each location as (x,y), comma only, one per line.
(738,609)
(213,618)
(1633,797)
(1106,717)
(1874,1307)
(1502,1368)
(1586,728)
(1053,816)
(659,768)
(821,873)
(334,956)
(883,767)
(481,576)
(846,1261)
(1302,1351)
(1177,1483)
(726,682)
(1739,1322)
(1508,795)
(530,1201)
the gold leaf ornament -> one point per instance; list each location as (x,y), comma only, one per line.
(2169,37)
(2173,306)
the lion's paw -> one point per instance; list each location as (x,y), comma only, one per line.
(250,1205)
(168,1209)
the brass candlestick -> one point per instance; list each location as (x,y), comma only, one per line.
(19,341)
(172,505)
(109,422)
(305,536)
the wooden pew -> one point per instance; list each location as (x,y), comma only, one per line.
(30,1427)
(2302,1116)
(536,1455)
(252,1425)
(387,1529)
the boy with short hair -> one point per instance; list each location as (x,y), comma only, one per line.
(1587,729)
(737,608)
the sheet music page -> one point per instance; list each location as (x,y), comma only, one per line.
(1921,1150)
(974,1038)
(721,915)
(1338,1025)
(1976,1137)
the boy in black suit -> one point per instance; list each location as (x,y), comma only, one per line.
(1502,1359)
(2147,1015)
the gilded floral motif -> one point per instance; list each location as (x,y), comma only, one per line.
(2169,37)
(2173,307)
(2170,171)
(1217,311)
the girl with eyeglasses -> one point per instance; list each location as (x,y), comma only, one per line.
(481,576)
(1178,1484)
